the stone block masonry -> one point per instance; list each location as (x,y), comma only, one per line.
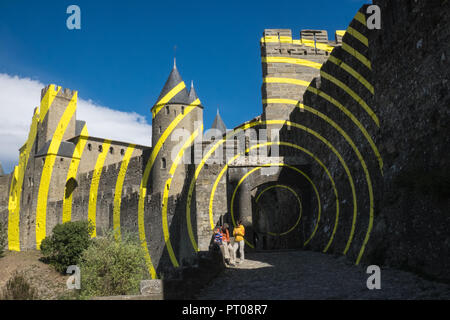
(363,139)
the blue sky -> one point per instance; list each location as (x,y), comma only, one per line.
(124,52)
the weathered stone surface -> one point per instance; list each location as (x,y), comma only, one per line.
(151,286)
(307,275)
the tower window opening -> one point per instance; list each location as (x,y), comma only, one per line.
(163,163)
(71,185)
(100,148)
(182,109)
(167,110)
(89,146)
(111,150)
(160,130)
(122,152)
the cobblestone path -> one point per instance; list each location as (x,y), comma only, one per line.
(312,275)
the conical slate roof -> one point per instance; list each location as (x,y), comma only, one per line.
(219,124)
(174,91)
(193,95)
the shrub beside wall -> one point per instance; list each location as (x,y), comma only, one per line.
(111,267)
(66,244)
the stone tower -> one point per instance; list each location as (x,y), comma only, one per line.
(175,116)
(288,67)
(54,102)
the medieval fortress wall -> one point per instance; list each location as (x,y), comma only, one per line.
(342,121)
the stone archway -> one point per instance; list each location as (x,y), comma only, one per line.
(271,219)
(277,210)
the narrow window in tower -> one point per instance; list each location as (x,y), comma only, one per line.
(111,150)
(163,163)
(122,152)
(167,110)
(100,148)
(89,146)
(160,129)
(182,109)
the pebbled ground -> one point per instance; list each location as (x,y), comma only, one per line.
(307,275)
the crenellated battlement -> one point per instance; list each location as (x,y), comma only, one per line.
(63,93)
(311,42)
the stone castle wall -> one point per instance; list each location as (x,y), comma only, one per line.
(367,112)
(408,223)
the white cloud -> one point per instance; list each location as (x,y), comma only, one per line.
(19,97)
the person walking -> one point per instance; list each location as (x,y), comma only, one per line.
(227,245)
(239,233)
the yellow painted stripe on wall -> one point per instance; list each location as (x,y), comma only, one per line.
(93,193)
(318,45)
(304,42)
(118,189)
(47,100)
(13,220)
(286,80)
(360,17)
(356,34)
(297,61)
(249,125)
(350,92)
(144,181)
(353,72)
(41,210)
(340,32)
(355,121)
(168,184)
(357,55)
(281,165)
(281,101)
(172,93)
(72,173)
(282,186)
(17,187)
(365,169)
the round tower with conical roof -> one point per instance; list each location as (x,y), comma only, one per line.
(175,116)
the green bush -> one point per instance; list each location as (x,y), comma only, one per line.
(112,267)
(66,244)
(18,288)
(3,239)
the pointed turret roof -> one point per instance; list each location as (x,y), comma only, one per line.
(174,91)
(193,95)
(218,123)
